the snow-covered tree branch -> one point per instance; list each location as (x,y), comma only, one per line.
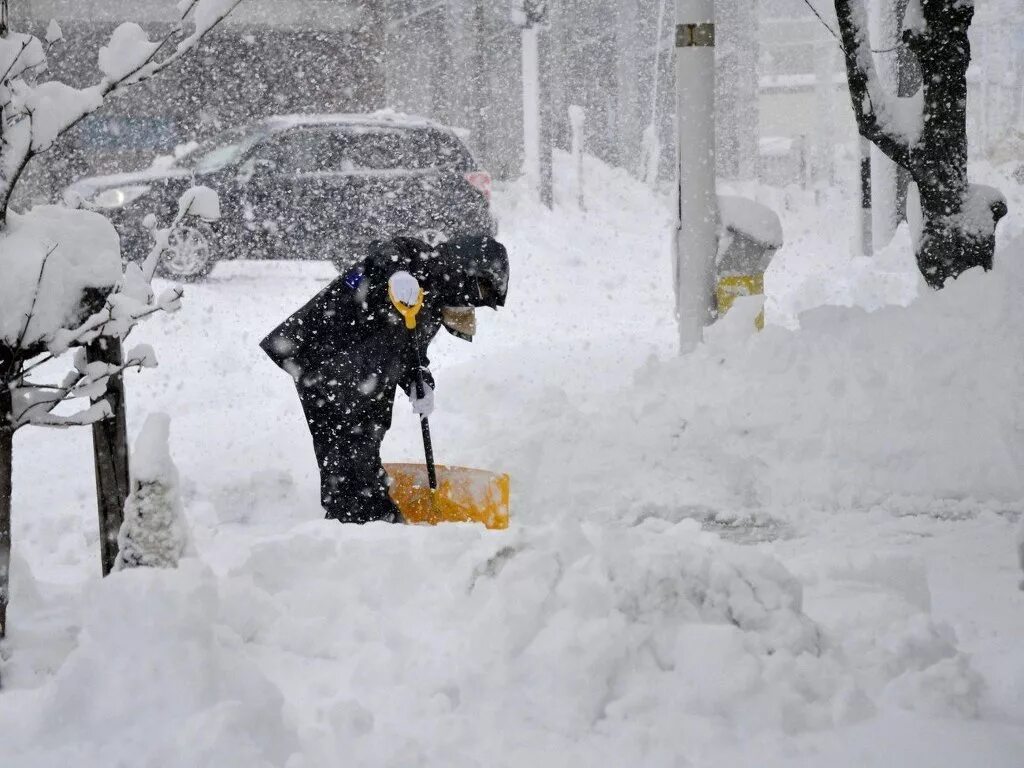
(877,112)
(34,115)
(63,282)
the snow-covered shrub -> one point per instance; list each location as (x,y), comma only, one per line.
(153,532)
(61,284)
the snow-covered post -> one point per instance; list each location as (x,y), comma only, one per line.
(696,242)
(651,148)
(627,96)
(824,93)
(531,16)
(577,116)
(736,89)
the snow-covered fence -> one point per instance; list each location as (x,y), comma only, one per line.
(63,285)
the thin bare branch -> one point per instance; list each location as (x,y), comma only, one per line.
(35,298)
(67,392)
(6,75)
(87,329)
(147,69)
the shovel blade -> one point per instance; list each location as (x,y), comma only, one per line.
(463,495)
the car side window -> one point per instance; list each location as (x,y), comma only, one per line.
(433,149)
(369,150)
(392,149)
(302,151)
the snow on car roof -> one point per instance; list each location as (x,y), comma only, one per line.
(382,118)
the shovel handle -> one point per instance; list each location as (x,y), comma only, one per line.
(428,446)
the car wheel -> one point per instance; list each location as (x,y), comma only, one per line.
(189,255)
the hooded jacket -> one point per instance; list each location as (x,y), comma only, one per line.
(349,341)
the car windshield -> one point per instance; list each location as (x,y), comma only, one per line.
(220,151)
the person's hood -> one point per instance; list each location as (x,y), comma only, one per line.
(472,271)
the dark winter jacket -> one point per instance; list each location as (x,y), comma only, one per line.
(350,341)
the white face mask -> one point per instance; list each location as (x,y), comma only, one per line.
(460,321)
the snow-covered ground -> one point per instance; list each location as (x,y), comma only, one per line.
(790,548)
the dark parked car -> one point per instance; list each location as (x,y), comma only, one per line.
(304,187)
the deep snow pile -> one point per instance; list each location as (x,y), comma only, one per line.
(914,408)
(603,627)
(403,647)
(153,533)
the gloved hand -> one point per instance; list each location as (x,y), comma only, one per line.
(404,287)
(422,406)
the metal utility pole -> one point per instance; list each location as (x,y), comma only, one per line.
(536,119)
(696,241)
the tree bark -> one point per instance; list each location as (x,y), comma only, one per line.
(110,450)
(951,241)
(6,471)
(943,50)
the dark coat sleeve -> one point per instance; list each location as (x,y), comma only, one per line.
(311,334)
(350,336)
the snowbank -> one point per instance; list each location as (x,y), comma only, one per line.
(603,628)
(916,409)
(462,647)
(153,680)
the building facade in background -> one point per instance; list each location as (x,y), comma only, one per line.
(782,111)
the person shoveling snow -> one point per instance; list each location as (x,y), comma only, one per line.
(351,345)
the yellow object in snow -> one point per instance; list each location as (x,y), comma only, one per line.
(463,495)
(732,286)
(408,311)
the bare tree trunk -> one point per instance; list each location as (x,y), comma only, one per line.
(110,449)
(948,247)
(867,238)
(6,469)
(951,241)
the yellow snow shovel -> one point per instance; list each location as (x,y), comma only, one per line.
(437,494)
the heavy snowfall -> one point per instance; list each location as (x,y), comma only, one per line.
(795,543)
